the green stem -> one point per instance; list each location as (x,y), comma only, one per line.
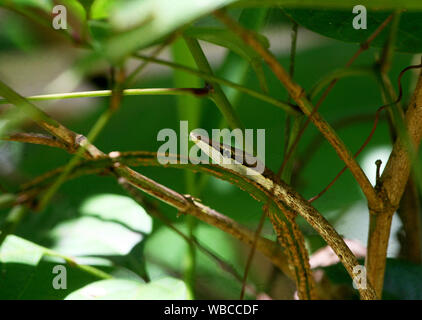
(106,93)
(217,95)
(212,78)
(88,269)
(292,131)
(189,110)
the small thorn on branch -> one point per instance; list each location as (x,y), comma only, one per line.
(378,163)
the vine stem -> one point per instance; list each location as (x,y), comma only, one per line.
(88,269)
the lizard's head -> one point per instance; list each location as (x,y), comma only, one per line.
(228,156)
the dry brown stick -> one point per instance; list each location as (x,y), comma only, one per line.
(299,96)
(392,184)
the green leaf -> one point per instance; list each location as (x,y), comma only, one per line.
(101,9)
(337,24)
(18,250)
(18,260)
(149,20)
(26,272)
(99,31)
(76,9)
(117,289)
(120,209)
(109,225)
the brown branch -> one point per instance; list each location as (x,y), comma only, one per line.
(188,205)
(70,139)
(392,185)
(37,138)
(41,118)
(299,96)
